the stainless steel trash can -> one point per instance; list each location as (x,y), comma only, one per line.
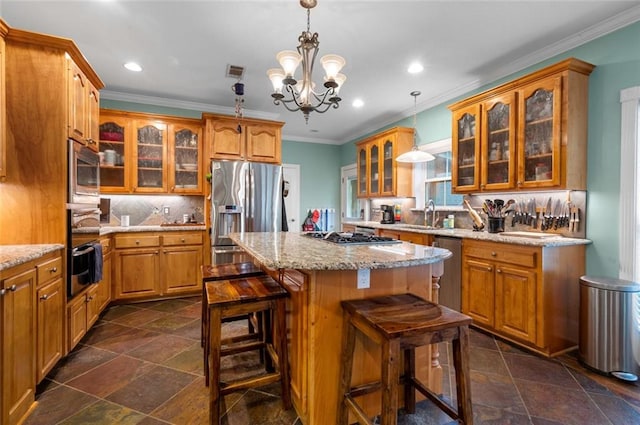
(610,326)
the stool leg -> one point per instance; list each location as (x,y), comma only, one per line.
(215,331)
(203,318)
(267,338)
(346,366)
(409,376)
(390,369)
(460,347)
(283,357)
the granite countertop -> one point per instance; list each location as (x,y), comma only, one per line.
(546,240)
(296,251)
(107,230)
(14,255)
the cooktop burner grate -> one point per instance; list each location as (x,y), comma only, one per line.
(352,238)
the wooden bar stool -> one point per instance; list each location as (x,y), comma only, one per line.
(400,323)
(212,274)
(230,298)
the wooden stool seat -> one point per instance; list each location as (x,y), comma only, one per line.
(230,298)
(400,323)
(216,273)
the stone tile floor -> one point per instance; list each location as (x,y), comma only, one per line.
(142,364)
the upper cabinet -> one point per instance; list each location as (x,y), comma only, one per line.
(530,133)
(379,174)
(145,153)
(3,104)
(84,107)
(243,139)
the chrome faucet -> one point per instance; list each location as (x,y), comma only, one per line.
(431,206)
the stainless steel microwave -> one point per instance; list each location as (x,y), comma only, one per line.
(84,176)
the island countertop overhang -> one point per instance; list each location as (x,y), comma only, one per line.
(290,250)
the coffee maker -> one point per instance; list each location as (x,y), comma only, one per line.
(388,215)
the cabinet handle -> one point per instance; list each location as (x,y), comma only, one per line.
(498,270)
(182,240)
(164,251)
(13,288)
(89,299)
(53,270)
(157,252)
(137,242)
(2,291)
(493,253)
(489,269)
(44,297)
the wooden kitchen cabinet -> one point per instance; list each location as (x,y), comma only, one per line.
(243,139)
(152,153)
(84,104)
(528,295)
(82,313)
(18,342)
(3,104)
(50,298)
(378,173)
(530,133)
(413,237)
(157,264)
(104,286)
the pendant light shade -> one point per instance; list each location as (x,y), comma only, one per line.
(415,155)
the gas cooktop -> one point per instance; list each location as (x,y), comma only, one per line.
(352,238)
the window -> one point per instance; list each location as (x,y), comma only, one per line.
(432,180)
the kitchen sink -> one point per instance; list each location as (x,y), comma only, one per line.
(533,235)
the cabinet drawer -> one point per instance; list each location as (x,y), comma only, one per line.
(137,241)
(182,239)
(512,254)
(49,270)
(106,245)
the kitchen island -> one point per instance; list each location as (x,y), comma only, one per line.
(318,275)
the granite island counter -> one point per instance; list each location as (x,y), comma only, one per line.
(318,275)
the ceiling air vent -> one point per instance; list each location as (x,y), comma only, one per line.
(235,71)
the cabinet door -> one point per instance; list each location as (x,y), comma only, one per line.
(50,343)
(3,113)
(263,143)
(498,153)
(465,175)
(104,286)
(93,305)
(93,117)
(181,269)
(77,108)
(76,320)
(362,171)
(373,154)
(115,138)
(185,158)
(18,346)
(150,157)
(478,291)
(137,273)
(227,141)
(516,302)
(539,134)
(387,166)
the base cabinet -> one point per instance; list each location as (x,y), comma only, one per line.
(413,237)
(50,327)
(528,295)
(152,265)
(83,312)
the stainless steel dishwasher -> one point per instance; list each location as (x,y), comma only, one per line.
(450,282)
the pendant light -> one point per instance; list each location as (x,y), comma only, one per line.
(415,155)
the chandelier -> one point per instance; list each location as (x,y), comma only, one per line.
(302,94)
(415,155)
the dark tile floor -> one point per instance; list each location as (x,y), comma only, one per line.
(142,364)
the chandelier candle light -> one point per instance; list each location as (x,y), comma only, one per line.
(303,97)
(415,154)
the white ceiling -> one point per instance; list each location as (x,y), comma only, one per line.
(186,46)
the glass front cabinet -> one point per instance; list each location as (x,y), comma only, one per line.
(114,154)
(532,133)
(185,146)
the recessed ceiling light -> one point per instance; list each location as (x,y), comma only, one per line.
(415,68)
(358,103)
(132,66)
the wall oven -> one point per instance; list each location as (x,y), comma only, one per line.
(84,252)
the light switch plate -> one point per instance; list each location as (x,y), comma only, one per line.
(364,276)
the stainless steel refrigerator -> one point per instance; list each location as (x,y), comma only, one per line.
(245,197)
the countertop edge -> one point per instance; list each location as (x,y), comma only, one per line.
(15,255)
(108,230)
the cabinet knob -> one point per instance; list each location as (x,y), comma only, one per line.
(2,291)
(13,288)
(489,269)
(53,270)
(182,240)
(88,299)
(493,253)
(519,183)
(498,270)
(44,297)
(137,242)
(157,252)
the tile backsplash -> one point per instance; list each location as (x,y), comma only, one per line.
(149,210)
